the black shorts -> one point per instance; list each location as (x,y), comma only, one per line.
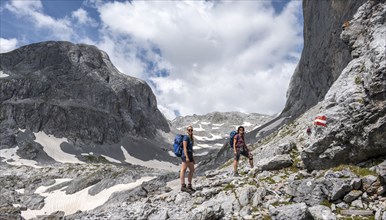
(243,151)
(190,155)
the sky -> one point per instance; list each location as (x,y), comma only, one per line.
(197,56)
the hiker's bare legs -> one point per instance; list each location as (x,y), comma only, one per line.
(182,172)
(191,172)
(235,166)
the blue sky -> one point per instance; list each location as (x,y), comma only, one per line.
(198,56)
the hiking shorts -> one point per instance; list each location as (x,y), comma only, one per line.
(190,155)
(243,151)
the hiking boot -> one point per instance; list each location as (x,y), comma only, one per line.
(185,189)
(236,174)
(190,188)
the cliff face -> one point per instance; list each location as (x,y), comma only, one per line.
(324,54)
(73,91)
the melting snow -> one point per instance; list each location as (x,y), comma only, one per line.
(13,159)
(59,201)
(218,125)
(3,75)
(205,123)
(199,129)
(246,124)
(51,146)
(202,153)
(155,164)
(214,137)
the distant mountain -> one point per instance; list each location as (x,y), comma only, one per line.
(72,95)
(211,132)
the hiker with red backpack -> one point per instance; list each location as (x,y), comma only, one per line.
(240,148)
(187,161)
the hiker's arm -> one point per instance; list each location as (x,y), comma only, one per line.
(234,144)
(185,145)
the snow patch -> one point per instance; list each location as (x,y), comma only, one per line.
(215,128)
(198,129)
(10,157)
(205,123)
(59,201)
(155,164)
(200,146)
(51,145)
(246,124)
(214,137)
(202,154)
(218,125)
(21,191)
(171,153)
(3,75)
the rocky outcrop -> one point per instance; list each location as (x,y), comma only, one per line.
(324,55)
(73,91)
(355,105)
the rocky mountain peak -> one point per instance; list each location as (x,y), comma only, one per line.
(72,90)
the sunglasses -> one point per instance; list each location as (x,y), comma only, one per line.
(190,129)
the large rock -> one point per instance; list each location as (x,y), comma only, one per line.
(355,105)
(324,55)
(288,212)
(74,91)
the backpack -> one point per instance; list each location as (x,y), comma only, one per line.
(231,137)
(177,146)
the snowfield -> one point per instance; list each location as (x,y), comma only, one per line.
(51,145)
(58,200)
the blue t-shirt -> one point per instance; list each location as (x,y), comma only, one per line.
(190,143)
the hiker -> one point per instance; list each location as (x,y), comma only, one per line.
(240,148)
(187,161)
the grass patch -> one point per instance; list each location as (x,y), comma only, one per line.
(360,171)
(326,203)
(229,187)
(358,80)
(226,164)
(268,180)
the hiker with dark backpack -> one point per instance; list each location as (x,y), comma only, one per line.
(187,161)
(240,148)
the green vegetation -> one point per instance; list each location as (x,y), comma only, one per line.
(268,180)
(358,80)
(360,171)
(228,163)
(229,187)
(326,203)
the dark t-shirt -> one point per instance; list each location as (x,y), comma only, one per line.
(189,146)
(240,142)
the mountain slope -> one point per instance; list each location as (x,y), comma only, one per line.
(74,92)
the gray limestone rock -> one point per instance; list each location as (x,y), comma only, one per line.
(275,163)
(353,195)
(73,91)
(356,123)
(289,212)
(321,212)
(324,54)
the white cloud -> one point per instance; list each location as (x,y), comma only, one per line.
(7,45)
(211,55)
(32,11)
(82,17)
(221,56)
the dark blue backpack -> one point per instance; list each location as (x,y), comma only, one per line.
(231,136)
(177,146)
